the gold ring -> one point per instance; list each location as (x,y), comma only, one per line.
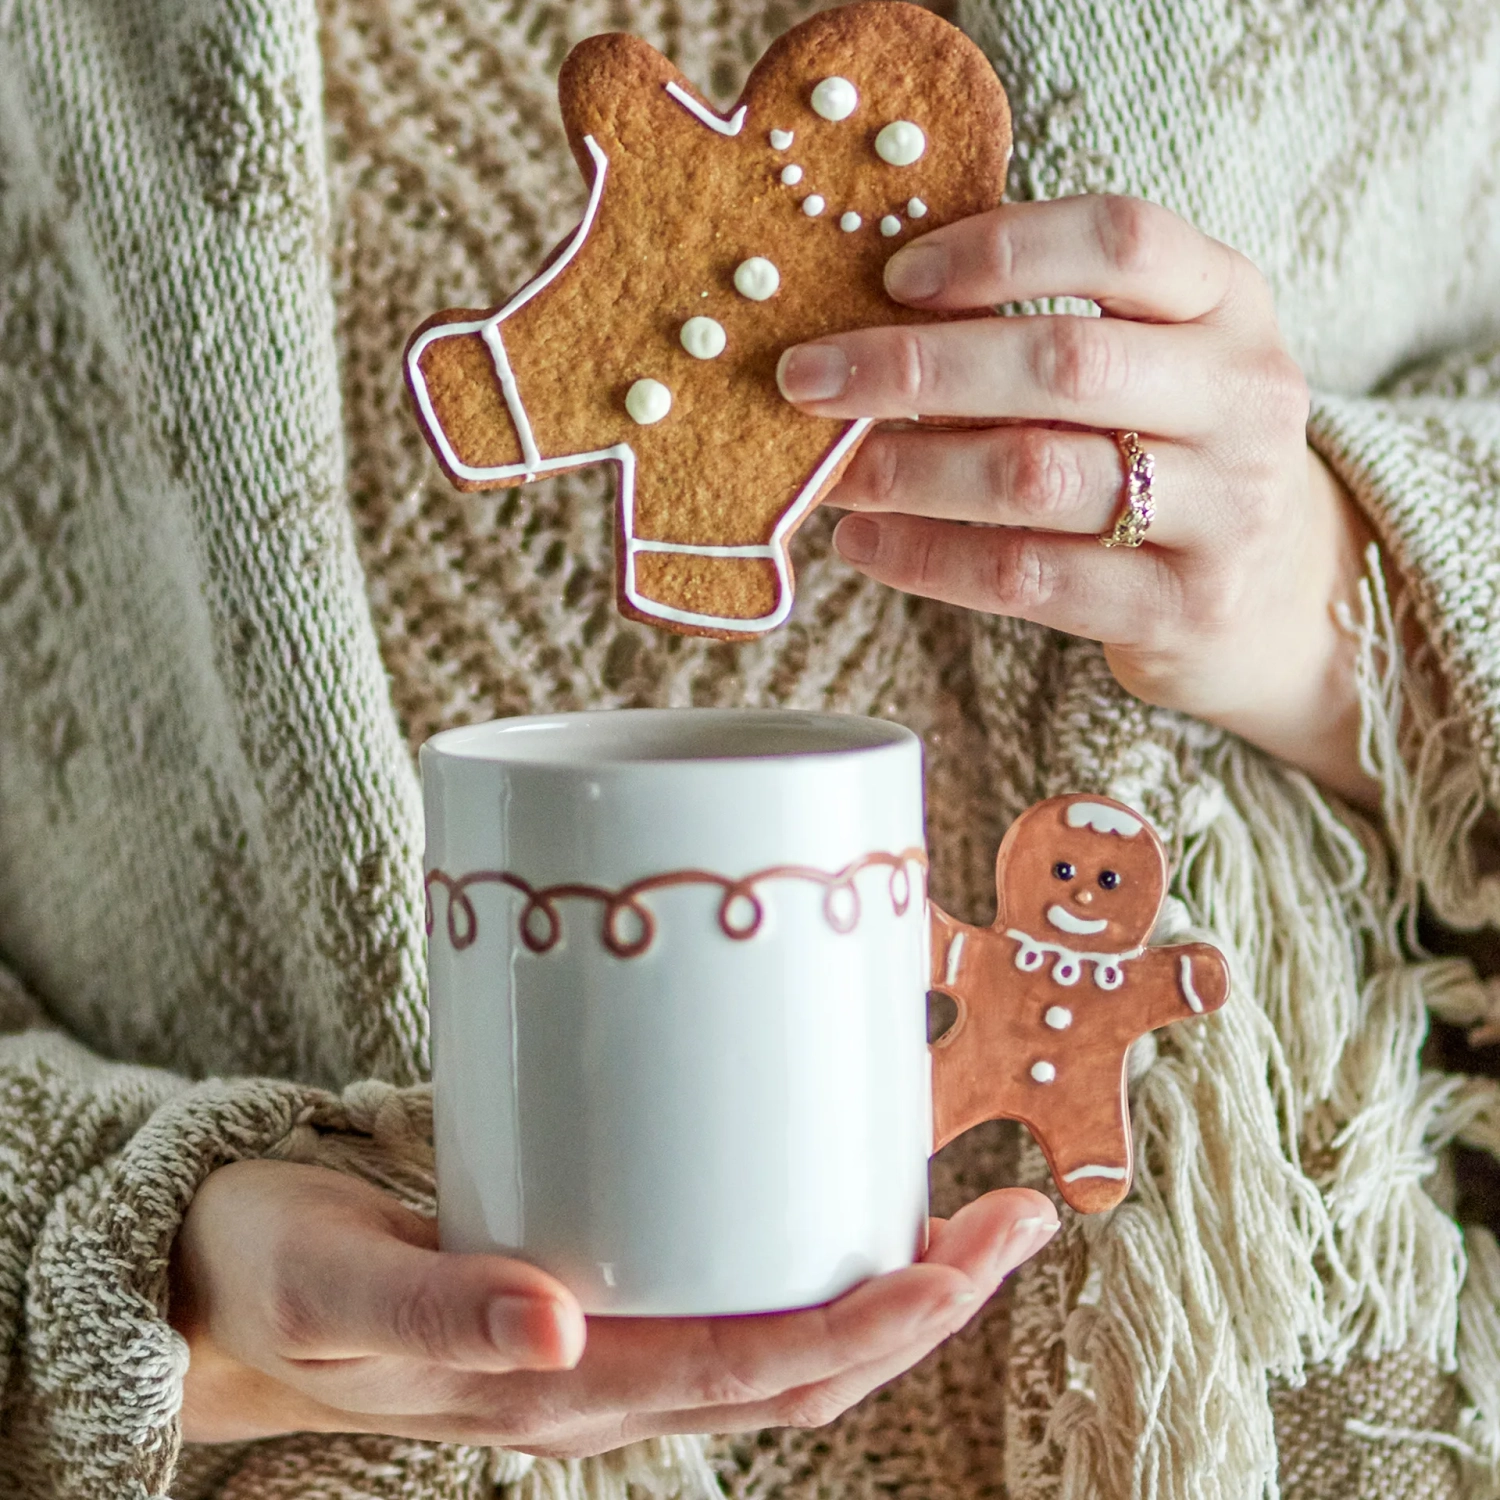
(1139,508)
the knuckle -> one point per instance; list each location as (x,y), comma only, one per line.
(1079,362)
(911,371)
(1022,578)
(1042,475)
(421,1323)
(1284,389)
(815,1406)
(1126,229)
(296,1319)
(883,476)
(723,1382)
(998,256)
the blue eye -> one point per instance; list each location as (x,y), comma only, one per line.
(1063,870)
(1108,879)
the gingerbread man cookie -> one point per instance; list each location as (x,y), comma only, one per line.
(710,244)
(1051,996)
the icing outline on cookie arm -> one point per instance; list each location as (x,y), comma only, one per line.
(732,126)
(488,328)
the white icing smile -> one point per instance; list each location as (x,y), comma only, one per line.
(1064,920)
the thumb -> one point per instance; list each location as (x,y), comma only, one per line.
(367,1283)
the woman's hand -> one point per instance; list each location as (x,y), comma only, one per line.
(311,1302)
(1227,611)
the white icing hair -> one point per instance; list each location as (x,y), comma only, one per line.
(1103,819)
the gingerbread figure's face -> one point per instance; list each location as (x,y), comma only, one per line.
(1081,872)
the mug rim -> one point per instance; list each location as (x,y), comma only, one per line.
(624,737)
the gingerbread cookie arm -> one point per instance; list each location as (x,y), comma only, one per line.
(1180,982)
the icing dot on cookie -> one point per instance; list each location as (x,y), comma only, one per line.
(900,143)
(850,222)
(1043,1072)
(1058,1017)
(648,401)
(813,205)
(791,175)
(917,209)
(703,338)
(890,225)
(835,99)
(781,139)
(756,278)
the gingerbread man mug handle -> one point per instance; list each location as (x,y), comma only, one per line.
(1053,993)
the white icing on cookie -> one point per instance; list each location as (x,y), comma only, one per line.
(791,174)
(732,126)
(648,401)
(917,209)
(1058,1017)
(756,278)
(703,338)
(813,205)
(835,99)
(781,139)
(850,222)
(1103,819)
(1043,1072)
(900,143)
(890,225)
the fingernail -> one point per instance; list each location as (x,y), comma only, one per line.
(1026,1237)
(514,1323)
(813,372)
(857,539)
(916,273)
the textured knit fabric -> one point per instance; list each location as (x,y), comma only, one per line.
(234,591)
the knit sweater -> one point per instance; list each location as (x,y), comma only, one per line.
(235,593)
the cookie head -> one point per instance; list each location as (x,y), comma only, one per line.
(1082,872)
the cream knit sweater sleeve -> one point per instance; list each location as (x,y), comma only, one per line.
(99,1161)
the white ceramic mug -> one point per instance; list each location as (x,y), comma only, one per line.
(679,968)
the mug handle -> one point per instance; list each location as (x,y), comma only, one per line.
(965,1090)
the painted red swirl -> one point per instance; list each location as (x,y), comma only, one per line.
(741,912)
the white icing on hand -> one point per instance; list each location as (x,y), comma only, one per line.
(955,952)
(756,278)
(648,401)
(1103,819)
(791,174)
(1185,977)
(917,209)
(850,222)
(900,143)
(703,338)
(1058,1017)
(813,205)
(1064,920)
(1043,1072)
(890,225)
(1115,1174)
(835,99)
(781,139)
(732,126)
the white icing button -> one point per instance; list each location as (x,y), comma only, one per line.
(791,175)
(890,225)
(703,338)
(756,278)
(1043,1072)
(917,209)
(835,99)
(780,139)
(1058,1017)
(648,401)
(900,143)
(813,205)
(850,222)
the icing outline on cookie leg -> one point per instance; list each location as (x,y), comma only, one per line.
(775,550)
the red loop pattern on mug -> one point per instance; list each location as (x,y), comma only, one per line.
(842,906)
